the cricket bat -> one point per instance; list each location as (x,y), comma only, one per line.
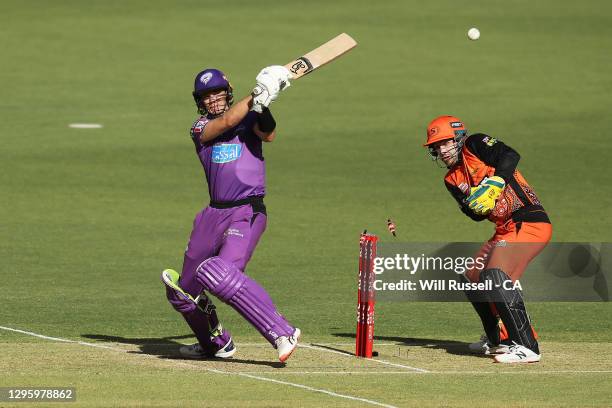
(324,54)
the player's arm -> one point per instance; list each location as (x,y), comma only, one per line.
(270,81)
(463,205)
(265,126)
(494,153)
(228,120)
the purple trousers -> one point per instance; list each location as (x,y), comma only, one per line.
(226,239)
(231,234)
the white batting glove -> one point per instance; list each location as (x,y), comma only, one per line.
(280,73)
(265,92)
(261,99)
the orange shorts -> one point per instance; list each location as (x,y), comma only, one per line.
(512,247)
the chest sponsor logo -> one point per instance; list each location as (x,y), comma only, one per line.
(226,152)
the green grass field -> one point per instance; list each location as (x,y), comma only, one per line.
(91,217)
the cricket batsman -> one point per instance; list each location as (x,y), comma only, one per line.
(228,142)
(483,177)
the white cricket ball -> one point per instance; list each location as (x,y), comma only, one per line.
(473,33)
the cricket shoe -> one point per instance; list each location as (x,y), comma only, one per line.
(196,351)
(518,354)
(285,345)
(484,347)
(223,341)
(223,346)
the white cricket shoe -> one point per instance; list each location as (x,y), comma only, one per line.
(484,347)
(518,354)
(286,345)
(196,351)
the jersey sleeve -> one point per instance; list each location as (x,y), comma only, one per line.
(460,198)
(250,119)
(494,153)
(196,131)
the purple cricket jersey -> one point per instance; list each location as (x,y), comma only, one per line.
(233,162)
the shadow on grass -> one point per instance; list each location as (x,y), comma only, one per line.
(459,348)
(167,348)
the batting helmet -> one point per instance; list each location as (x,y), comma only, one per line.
(210,80)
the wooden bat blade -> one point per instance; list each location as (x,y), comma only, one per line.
(322,55)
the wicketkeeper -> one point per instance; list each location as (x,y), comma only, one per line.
(483,177)
(228,141)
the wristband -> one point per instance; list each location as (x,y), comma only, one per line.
(265,121)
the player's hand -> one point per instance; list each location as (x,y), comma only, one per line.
(482,198)
(265,92)
(282,74)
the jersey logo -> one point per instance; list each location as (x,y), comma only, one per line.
(226,152)
(198,127)
(489,141)
(464,188)
(196,131)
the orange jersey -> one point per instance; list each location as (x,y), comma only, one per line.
(484,156)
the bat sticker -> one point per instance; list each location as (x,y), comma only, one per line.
(302,64)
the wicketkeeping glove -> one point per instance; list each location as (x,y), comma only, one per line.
(483,197)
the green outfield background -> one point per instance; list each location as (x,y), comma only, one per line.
(91,217)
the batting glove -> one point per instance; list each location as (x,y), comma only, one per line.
(265,92)
(482,198)
(280,73)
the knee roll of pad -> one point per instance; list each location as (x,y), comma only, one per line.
(220,278)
